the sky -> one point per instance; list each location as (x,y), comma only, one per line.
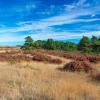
(66,20)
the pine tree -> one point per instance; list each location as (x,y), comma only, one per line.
(28,45)
(94,39)
(50,44)
(84,44)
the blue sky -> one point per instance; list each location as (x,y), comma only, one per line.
(43,19)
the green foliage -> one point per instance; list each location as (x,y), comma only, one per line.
(69,46)
(96,46)
(94,39)
(86,45)
(28,45)
(38,44)
(50,44)
(91,46)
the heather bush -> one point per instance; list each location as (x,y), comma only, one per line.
(14,57)
(78,66)
(44,57)
(74,55)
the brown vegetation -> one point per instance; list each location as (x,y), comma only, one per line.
(96,76)
(29,56)
(40,81)
(78,66)
(75,56)
(44,57)
(14,57)
(34,80)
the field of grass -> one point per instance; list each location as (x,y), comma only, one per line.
(34,80)
(42,81)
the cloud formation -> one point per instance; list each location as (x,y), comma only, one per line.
(40,20)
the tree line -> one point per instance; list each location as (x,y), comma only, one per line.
(86,45)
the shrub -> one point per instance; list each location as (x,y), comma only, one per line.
(78,66)
(74,55)
(44,57)
(14,57)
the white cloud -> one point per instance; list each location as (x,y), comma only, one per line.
(93,15)
(81,2)
(69,16)
(47,33)
(63,35)
(43,25)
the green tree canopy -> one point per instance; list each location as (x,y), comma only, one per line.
(84,44)
(28,45)
(95,44)
(94,39)
(50,44)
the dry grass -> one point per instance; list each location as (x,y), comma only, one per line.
(42,81)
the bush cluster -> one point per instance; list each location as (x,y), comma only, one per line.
(29,57)
(14,57)
(78,66)
(44,57)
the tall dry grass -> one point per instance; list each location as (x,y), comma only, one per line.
(42,81)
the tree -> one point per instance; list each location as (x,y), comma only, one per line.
(96,47)
(39,44)
(94,39)
(70,46)
(96,44)
(99,38)
(50,44)
(84,44)
(28,45)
